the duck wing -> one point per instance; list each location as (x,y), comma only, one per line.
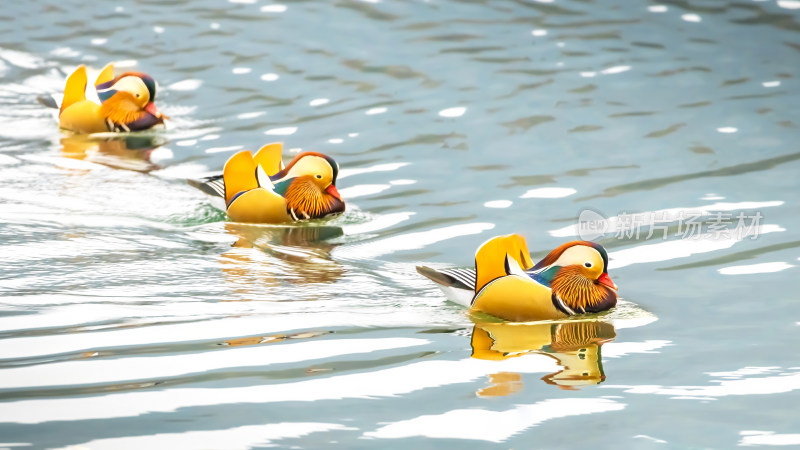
(268,157)
(75,89)
(249,193)
(504,288)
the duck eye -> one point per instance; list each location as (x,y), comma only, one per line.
(587,264)
(319,177)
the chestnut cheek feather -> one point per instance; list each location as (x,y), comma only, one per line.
(305,198)
(581,294)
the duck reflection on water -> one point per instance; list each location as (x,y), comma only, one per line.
(273,338)
(269,255)
(575,345)
(129,152)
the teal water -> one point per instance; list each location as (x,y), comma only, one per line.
(129,319)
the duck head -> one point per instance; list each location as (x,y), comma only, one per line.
(577,273)
(129,99)
(309,185)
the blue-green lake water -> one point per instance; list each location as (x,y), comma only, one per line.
(133,316)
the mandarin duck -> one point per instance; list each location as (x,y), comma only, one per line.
(260,189)
(126,103)
(572,279)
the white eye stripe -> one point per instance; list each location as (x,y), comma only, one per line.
(128,84)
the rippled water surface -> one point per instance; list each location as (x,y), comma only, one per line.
(133,316)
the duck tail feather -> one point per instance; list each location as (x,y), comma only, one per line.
(213,185)
(48,101)
(455,278)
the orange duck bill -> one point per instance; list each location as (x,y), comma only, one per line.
(605,280)
(153,109)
